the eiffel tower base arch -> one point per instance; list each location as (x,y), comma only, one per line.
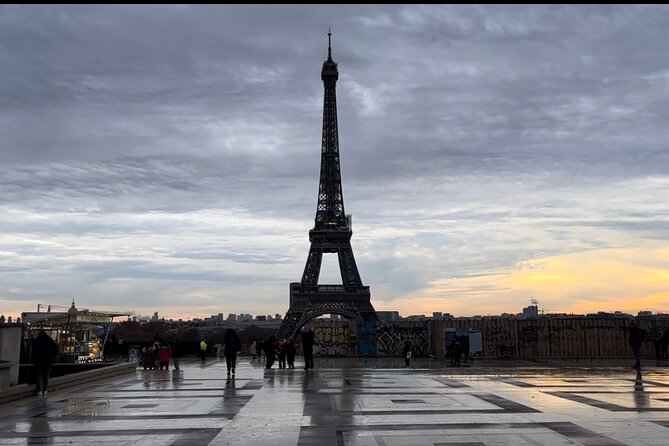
(307,303)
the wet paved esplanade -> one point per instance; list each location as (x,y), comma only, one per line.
(350,402)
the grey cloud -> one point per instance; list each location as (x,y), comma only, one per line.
(479,135)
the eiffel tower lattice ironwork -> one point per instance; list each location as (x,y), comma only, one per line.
(331,234)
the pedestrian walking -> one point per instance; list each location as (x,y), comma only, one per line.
(406,352)
(203,350)
(44,354)
(291,351)
(308,348)
(269,347)
(231,345)
(635,339)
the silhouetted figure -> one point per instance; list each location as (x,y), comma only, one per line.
(454,352)
(291,351)
(44,354)
(269,347)
(231,346)
(308,348)
(259,345)
(665,344)
(657,343)
(281,353)
(164,355)
(466,354)
(635,339)
(177,352)
(406,353)
(147,358)
(203,350)
(254,349)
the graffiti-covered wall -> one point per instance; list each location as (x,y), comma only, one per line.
(333,339)
(499,337)
(551,338)
(391,336)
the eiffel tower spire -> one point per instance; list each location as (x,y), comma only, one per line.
(331,234)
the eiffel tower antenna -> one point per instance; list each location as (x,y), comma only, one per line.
(329,44)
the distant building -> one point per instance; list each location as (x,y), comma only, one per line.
(277,317)
(531,311)
(389,315)
(261,318)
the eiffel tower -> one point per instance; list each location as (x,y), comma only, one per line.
(331,234)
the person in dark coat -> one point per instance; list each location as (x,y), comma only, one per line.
(259,345)
(466,353)
(454,352)
(308,349)
(665,344)
(148,361)
(44,354)
(269,347)
(177,351)
(231,346)
(281,353)
(406,352)
(635,339)
(657,343)
(291,351)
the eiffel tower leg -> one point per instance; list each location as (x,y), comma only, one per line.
(347,266)
(313,267)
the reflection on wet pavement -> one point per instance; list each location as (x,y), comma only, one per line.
(347,402)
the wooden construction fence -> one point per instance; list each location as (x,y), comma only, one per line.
(518,338)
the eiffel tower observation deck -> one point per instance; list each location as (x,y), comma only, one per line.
(331,234)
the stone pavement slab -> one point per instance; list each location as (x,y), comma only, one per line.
(351,402)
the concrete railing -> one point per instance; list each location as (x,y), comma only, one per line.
(61,382)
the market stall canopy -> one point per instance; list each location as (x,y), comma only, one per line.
(71,316)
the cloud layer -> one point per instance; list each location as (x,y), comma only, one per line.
(165,158)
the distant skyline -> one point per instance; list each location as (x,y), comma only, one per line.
(166,157)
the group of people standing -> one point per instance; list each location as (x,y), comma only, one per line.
(459,349)
(158,355)
(285,350)
(637,336)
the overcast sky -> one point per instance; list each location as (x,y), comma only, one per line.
(166,158)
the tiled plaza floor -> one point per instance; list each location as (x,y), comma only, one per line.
(340,404)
